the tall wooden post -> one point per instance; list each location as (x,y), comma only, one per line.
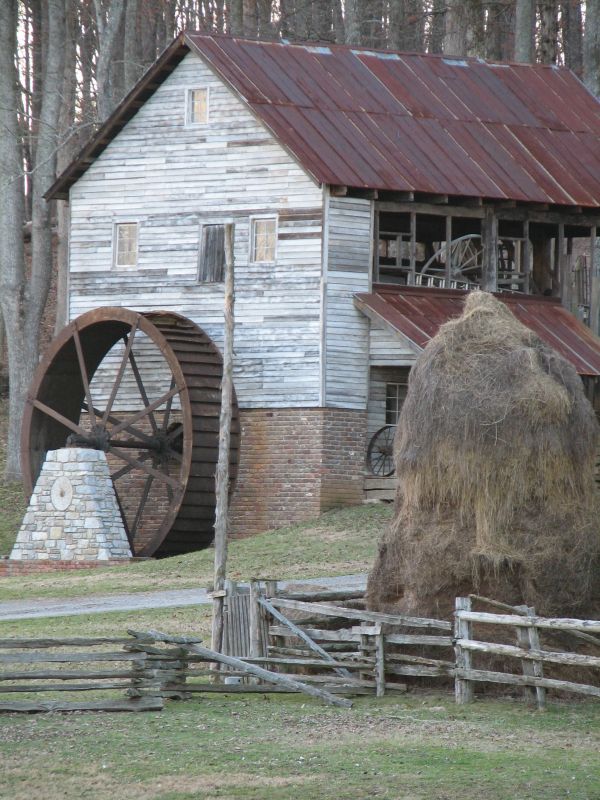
(222,474)
(594,282)
(489,279)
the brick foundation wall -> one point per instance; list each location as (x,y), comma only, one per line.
(10,567)
(296,463)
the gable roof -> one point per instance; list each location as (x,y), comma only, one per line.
(401,122)
(418,312)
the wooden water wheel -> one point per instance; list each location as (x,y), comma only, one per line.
(158,422)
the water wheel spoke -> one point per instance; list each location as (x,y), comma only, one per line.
(142,504)
(117,384)
(146,411)
(142,391)
(56,415)
(167,414)
(139,434)
(174,455)
(137,463)
(84,375)
(125,470)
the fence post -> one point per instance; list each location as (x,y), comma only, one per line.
(380,661)
(529,639)
(463,688)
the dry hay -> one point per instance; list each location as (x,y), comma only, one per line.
(494,452)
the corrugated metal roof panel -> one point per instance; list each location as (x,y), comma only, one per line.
(417,313)
(400,121)
(459,127)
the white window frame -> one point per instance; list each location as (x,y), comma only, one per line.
(115,243)
(261,218)
(188,106)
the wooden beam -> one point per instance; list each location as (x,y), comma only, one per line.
(595,283)
(222,474)
(489,235)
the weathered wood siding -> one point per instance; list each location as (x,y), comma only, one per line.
(172,179)
(346,330)
(388,349)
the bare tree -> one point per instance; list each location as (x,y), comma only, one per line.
(22,296)
(108,21)
(572,26)
(524,30)
(591,46)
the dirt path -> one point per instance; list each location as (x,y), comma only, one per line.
(98,604)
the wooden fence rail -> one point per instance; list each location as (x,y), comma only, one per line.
(39,668)
(326,648)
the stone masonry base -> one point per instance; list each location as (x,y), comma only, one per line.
(296,463)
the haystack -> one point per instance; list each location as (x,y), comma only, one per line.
(495,451)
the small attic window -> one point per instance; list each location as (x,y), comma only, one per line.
(263,240)
(125,244)
(196,112)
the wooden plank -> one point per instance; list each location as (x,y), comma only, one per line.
(301,634)
(530,654)
(125,704)
(38,644)
(66,675)
(551,623)
(527,680)
(63,687)
(272,677)
(46,658)
(329,610)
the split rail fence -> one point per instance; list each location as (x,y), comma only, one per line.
(324,644)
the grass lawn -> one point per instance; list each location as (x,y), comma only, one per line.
(277,747)
(418,746)
(337,543)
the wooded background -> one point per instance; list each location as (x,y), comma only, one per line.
(65,64)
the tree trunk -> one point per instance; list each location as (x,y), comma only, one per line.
(23,301)
(437,28)
(573,35)
(250,19)
(12,217)
(108,21)
(236,17)
(524,28)
(455,36)
(352,22)
(548,31)
(131,60)
(591,47)
(407,26)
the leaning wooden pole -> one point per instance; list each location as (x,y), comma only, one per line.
(222,474)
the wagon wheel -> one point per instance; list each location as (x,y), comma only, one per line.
(467,258)
(380,452)
(162,447)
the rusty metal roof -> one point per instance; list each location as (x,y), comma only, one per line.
(418,312)
(402,122)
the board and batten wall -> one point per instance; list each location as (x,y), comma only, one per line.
(171,179)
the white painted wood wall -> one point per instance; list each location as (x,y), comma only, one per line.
(170,179)
(299,341)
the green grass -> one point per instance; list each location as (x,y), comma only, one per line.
(12,498)
(277,747)
(337,543)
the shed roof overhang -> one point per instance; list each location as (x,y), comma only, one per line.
(417,313)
